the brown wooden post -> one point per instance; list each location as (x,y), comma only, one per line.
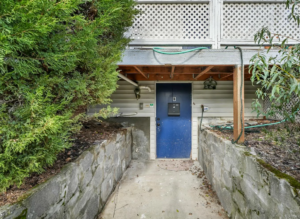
(237,104)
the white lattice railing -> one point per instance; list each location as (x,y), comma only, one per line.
(241,20)
(211,22)
(171,22)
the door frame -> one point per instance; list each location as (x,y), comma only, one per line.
(174,82)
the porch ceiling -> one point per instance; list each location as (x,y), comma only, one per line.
(144,64)
(180,73)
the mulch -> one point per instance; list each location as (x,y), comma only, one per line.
(277,145)
(91,132)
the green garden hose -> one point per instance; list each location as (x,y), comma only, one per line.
(202,110)
(158,50)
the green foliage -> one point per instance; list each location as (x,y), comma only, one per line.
(278,76)
(56,58)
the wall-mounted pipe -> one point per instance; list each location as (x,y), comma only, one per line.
(128,80)
(126,115)
(133,83)
(146,87)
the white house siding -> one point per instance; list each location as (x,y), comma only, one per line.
(124,99)
(219,101)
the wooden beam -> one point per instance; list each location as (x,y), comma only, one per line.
(238,104)
(172,72)
(204,72)
(226,76)
(140,71)
(178,70)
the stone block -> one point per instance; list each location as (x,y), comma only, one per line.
(85,160)
(218,150)
(239,199)
(227,180)
(116,160)
(125,163)
(217,169)
(118,173)
(92,207)
(81,203)
(226,163)
(72,175)
(100,159)
(251,168)
(98,177)
(42,199)
(12,211)
(106,188)
(226,200)
(280,190)
(108,167)
(86,178)
(109,149)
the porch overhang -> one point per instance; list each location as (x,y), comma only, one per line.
(223,57)
(145,64)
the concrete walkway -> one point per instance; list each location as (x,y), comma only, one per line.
(163,189)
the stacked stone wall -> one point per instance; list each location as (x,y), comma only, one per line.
(246,189)
(82,187)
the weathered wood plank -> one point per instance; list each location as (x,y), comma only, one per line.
(141,72)
(238,104)
(204,72)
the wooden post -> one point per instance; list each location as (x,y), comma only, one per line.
(237,104)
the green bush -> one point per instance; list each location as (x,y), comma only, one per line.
(278,76)
(56,57)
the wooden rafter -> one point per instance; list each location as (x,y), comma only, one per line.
(226,76)
(140,71)
(204,72)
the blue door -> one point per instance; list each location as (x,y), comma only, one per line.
(173,120)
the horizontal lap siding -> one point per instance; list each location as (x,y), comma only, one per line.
(220,103)
(124,99)
(220,100)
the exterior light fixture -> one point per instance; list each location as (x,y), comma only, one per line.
(210,83)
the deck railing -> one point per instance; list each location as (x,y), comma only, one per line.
(214,23)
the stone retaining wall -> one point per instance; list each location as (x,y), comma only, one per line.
(245,188)
(82,187)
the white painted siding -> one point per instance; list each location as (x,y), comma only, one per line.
(220,102)
(124,99)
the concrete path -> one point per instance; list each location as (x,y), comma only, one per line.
(163,189)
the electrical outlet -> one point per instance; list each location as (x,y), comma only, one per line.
(206,108)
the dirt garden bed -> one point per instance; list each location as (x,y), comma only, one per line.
(277,145)
(91,132)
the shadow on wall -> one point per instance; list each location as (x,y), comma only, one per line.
(140,135)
